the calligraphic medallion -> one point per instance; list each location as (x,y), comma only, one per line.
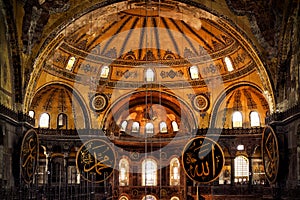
(29,155)
(98,102)
(203,159)
(270,154)
(201,102)
(95,160)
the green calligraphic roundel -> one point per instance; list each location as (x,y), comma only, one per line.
(270,154)
(29,155)
(203,159)
(95,160)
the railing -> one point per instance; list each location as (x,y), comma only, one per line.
(231,131)
(280,116)
(16,116)
(70,192)
(97,132)
(83,192)
(69,132)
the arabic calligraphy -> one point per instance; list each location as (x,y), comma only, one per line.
(203,159)
(270,154)
(95,160)
(29,155)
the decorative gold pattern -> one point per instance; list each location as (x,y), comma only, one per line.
(98,102)
(29,155)
(201,102)
(95,160)
(203,159)
(270,154)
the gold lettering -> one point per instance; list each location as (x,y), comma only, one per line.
(98,166)
(31,152)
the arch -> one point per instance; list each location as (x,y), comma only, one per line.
(229,23)
(57,168)
(149,172)
(135,127)
(174,172)
(176,104)
(124,126)
(163,127)
(123,197)
(194,72)
(62,121)
(254,119)
(123,172)
(225,93)
(241,169)
(149,128)
(237,119)
(104,71)
(175,126)
(44,121)
(74,92)
(149,197)
(31,113)
(228,64)
(71,63)
(149,75)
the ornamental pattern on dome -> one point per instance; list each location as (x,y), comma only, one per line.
(130,40)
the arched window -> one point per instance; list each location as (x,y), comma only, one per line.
(73,175)
(174,198)
(237,119)
(228,64)
(149,197)
(163,127)
(175,126)
(241,169)
(194,72)
(104,72)
(174,172)
(135,127)
(149,170)
(240,147)
(124,172)
(123,126)
(254,119)
(123,198)
(70,63)
(44,120)
(62,120)
(149,128)
(57,168)
(149,75)
(31,113)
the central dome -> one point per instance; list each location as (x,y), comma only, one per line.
(128,41)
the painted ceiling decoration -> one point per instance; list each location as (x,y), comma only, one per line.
(112,51)
(128,41)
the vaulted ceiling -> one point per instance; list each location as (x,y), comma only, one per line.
(128,38)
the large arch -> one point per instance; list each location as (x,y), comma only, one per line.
(72,96)
(224,95)
(170,103)
(112,8)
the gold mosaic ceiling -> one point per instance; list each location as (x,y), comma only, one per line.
(134,39)
(131,38)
